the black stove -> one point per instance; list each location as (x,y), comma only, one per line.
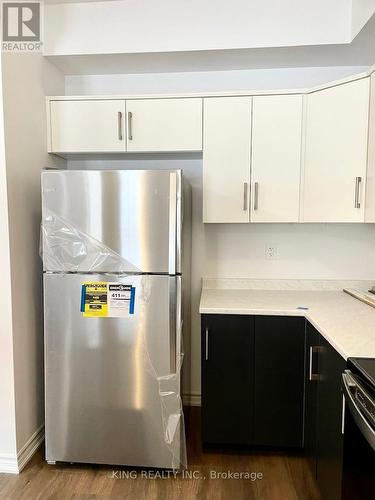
(359,435)
(364,368)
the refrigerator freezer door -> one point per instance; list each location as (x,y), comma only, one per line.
(136,213)
(102,392)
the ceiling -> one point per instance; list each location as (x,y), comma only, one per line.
(144,36)
(69,1)
(361,52)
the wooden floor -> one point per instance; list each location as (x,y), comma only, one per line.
(284,477)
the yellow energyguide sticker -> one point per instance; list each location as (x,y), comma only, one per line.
(95,299)
(101,299)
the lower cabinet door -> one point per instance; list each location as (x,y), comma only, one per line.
(329,422)
(227,379)
(279,381)
(311,395)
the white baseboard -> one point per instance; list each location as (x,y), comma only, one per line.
(193,399)
(29,448)
(8,464)
(12,464)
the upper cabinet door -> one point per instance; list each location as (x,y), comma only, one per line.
(276,158)
(226,159)
(336,153)
(370,184)
(87,126)
(164,124)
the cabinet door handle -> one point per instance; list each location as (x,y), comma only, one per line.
(119,125)
(130,125)
(256,195)
(357,201)
(207,332)
(245,191)
(312,375)
(343,415)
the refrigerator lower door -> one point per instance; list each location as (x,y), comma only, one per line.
(102,389)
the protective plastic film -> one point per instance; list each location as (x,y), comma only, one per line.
(66,249)
(171,406)
(169,382)
(143,304)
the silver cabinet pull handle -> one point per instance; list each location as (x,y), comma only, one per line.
(119,125)
(130,125)
(256,195)
(313,376)
(207,343)
(357,202)
(245,190)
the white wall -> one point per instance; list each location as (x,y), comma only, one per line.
(362,10)
(8,461)
(27,79)
(206,81)
(135,26)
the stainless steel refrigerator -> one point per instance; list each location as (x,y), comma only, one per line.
(107,374)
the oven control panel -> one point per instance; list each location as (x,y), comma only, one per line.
(367,404)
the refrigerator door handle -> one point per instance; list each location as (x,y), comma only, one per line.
(174,319)
(172,222)
(179,321)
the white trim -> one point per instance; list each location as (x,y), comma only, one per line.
(8,464)
(12,464)
(30,447)
(193,399)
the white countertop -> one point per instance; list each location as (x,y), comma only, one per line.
(347,323)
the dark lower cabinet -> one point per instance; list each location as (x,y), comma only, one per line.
(330,440)
(311,395)
(227,379)
(274,381)
(279,381)
(252,380)
(324,413)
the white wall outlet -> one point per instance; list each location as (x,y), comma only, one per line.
(271,252)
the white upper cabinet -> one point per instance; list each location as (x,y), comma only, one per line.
(276,158)
(226,159)
(164,124)
(81,126)
(336,153)
(307,157)
(370,184)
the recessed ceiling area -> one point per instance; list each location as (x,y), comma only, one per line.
(141,26)
(361,52)
(140,36)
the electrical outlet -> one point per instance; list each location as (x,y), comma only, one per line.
(271,252)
